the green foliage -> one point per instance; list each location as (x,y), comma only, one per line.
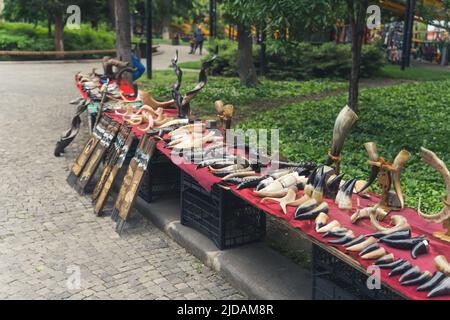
(300,60)
(405,116)
(246,100)
(414,73)
(27,37)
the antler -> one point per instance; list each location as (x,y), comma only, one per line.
(432,159)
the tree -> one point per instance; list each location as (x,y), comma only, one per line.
(54,12)
(357,11)
(123,30)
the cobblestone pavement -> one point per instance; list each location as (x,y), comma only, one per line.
(48,233)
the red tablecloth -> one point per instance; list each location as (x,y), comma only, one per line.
(363,227)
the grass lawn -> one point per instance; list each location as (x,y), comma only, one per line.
(404,116)
(414,73)
(195,65)
(248,101)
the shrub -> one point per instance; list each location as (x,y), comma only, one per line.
(300,60)
(29,37)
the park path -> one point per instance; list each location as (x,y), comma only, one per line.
(48,232)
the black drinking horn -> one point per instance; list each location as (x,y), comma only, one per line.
(372,247)
(345,201)
(421,248)
(424,277)
(344,240)
(400,269)
(335,232)
(310,215)
(385,259)
(355,241)
(412,273)
(399,235)
(305,207)
(442,289)
(332,187)
(392,265)
(406,244)
(433,282)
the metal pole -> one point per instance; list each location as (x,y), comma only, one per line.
(149,37)
(211,18)
(407,33)
(215,18)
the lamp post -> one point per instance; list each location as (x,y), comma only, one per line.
(408,33)
(148,36)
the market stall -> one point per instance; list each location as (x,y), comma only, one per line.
(227,190)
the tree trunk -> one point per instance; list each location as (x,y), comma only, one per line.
(166,8)
(59,33)
(112,14)
(123,33)
(357,14)
(49,26)
(245,66)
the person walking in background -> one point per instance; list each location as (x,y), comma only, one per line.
(198,38)
(192,44)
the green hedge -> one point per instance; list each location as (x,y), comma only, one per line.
(300,60)
(28,37)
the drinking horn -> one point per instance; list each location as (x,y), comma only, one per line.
(392,265)
(357,240)
(335,232)
(345,201)
(431,158)
(321,220)
(406,244)
(385,259)
(436,278)
(400,269)
(332,186)
(372,247)
(419,249)
(410,274)
(419,280)
(362,245)
(329,226)
(399,223)
(371,149)
(398,164)
(375,254)
(313,213)
(404,234)
(349,236)
(442,265)
(442,289)
(344,122)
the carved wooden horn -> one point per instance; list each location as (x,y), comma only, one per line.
(399,163)
(432,159)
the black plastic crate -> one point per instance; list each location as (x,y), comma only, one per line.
(161,178)
(334,279)
(221,216)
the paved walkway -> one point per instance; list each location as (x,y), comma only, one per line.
(49,237)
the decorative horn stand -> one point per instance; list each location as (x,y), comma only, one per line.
(443,216)
(388,176)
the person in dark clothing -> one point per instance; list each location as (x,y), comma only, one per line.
(198,38)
